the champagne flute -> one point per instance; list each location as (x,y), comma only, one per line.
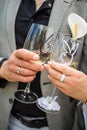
(38,40)
(68,52)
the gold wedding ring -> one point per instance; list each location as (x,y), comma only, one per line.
(18,70)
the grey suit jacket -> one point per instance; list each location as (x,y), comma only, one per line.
(64,120)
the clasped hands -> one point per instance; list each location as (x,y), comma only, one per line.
(23,65)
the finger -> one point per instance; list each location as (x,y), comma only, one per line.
(17,77)
(62,68)
(25,72)
(65,86)
(68,84)
(22,78)
(29,65)
(56,82)
(26,54)
(52,72)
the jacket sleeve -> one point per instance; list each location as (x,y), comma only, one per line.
(3,82)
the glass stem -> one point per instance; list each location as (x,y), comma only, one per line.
(54,89)
(27,89)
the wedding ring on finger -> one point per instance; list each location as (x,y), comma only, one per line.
(18,70)
(62,77)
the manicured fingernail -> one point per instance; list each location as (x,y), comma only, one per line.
(35,57)
(49,62)
(45,65)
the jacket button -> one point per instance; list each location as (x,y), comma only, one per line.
(11,100)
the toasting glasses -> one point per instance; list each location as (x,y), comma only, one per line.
(41,41)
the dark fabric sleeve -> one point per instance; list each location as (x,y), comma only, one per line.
(3,83)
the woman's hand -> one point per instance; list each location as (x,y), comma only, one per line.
(74,83)
(22,66)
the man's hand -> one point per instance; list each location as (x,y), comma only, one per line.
(21,66)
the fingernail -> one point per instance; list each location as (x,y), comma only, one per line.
(35,57)
(45,65)
(49,62)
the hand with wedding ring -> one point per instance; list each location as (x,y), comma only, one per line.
(21,66)
(69,80)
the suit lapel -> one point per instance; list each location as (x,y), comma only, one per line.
(58,13)
(12,8)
